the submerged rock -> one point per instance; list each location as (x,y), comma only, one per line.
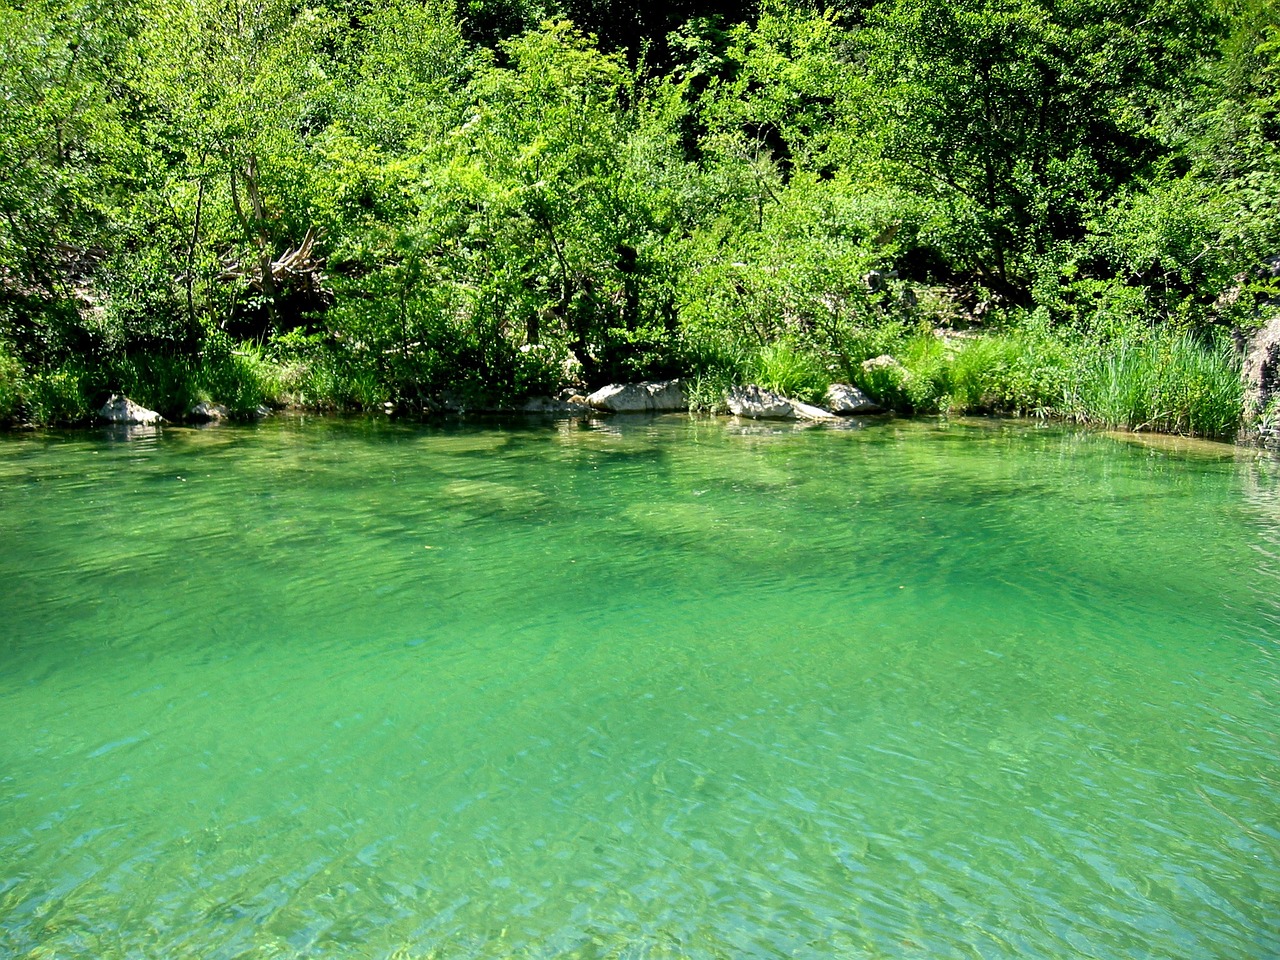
(555,405)
(661,396)
(119,409)
(206,412)
(845,399)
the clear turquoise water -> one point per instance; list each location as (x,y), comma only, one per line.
(651,688)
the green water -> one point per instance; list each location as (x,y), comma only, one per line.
(647,688)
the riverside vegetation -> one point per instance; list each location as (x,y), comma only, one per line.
(1064,207)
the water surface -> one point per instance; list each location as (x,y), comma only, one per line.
(643,688)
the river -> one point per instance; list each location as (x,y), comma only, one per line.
(637,688)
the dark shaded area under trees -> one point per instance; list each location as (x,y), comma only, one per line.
(350,203)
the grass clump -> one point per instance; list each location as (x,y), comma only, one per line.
(788,369)
(705,392)
(1170,382)
(1165,382)
(240,377)
(1020,372)
(62,394)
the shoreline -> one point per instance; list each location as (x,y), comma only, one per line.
(1152,439)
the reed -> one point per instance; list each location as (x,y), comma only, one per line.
(1165,382)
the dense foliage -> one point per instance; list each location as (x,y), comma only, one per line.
(1064,206)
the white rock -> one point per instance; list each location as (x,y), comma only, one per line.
(751,401)
(886,362)
(845,399)
(662,396)
(119,409)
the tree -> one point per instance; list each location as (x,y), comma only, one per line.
(243,88)
(65,159)
(1022,116)
(569,196)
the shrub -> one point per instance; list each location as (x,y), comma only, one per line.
(1018,372)
(706,392)
(63,394)
(10,386)
(242,379)
(928,363)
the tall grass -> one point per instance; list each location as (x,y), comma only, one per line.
(788,369)
(242,379)
(63,394)
(784,367)
(1171,382)
(1019,372)
(1168,383)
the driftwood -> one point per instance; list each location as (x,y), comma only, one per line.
(301,263)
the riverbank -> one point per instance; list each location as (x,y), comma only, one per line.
(1144,380)
(430,216)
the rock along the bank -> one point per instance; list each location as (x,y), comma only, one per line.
(207,412)
(847,400)
(119,409)
(661,396)
(757,403)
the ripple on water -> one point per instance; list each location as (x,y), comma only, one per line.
(636,688)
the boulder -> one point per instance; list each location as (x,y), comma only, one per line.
(119,409)
(1261,375)
(662,396)
(845,399)
(206,412)
(757,404)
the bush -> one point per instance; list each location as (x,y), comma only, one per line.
(315,373)
(706,392)
(60,395)
(240,378)
(1140,380)
(243,379)
(1019,372)
(915,376)
(10,386)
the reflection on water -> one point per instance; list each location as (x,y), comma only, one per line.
(637,688)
